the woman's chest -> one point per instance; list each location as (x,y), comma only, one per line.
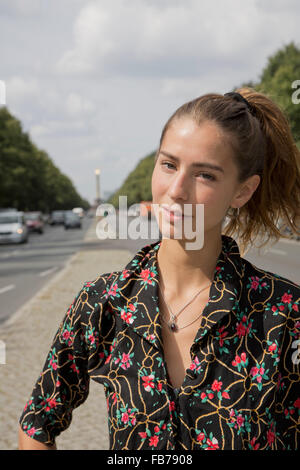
(177,343)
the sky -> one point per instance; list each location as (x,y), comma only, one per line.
(94,81)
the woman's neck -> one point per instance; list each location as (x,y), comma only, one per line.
(181,271)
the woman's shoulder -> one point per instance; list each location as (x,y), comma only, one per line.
(106,286)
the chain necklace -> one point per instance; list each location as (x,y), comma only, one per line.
(171,322)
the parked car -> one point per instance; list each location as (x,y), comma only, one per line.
(72,220)
(34,221)
(79,211)
(56,218)
(13,228)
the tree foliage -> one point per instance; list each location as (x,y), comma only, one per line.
(282,69)
(137,186)
(29,180)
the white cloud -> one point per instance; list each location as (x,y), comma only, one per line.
(142,38)
(19,88)
(76,105)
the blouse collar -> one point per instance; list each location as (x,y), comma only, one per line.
(138,285)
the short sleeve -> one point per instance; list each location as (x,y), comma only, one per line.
(63,383)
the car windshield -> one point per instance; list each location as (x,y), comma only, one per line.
(9,219)
(31,216)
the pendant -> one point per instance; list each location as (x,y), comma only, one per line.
(172,326)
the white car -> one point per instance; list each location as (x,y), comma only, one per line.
(13,227)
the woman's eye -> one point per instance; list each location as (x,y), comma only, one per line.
(167,164)
(207,176)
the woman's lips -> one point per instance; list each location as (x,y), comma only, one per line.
(174,215)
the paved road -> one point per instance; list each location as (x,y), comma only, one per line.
(25,268)
(282,258)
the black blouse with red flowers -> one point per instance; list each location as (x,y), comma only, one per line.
(241,390)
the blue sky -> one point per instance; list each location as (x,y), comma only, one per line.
(94,81)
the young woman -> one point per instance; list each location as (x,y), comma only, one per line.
(196,349)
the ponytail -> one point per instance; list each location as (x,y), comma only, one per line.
(262,144)
(275,204)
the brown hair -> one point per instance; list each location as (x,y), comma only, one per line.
(263,144)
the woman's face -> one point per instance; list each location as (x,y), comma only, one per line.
(195,166)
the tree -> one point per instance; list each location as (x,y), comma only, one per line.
(29,180)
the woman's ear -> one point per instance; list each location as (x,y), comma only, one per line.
(245,191)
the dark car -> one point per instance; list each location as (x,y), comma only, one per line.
(56,218)
(34,221)
(72,220)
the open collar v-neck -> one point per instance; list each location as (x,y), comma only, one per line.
(135,291)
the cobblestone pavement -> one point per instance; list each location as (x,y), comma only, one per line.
(28,336)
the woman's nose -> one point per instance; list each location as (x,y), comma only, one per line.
(178,188)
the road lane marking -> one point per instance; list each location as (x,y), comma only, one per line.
(7,288)
(49,271)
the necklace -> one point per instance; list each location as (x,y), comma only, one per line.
(171,322)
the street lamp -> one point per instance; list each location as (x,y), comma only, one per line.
(98,198)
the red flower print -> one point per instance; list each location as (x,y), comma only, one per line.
(125,418)
(270,436)
(31,432)
(243,356)
(200,437)
(295,307)
(286,298)
(272,347)
(225,395)
(241,329)
(297,403)
(153,441)
(172,405)
(53,364)
(240,420)
(223,335)
(143,435)
(254,282)
(126,316)
(74,368)
(216,386)
(148,382)
(159,386)
(212,444)
(156,429)
(147,275)
(254,371)
(203,395)
(112,290)
(253,445)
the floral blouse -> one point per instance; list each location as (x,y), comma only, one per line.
(241,390)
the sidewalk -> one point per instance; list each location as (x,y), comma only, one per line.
(28,336)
